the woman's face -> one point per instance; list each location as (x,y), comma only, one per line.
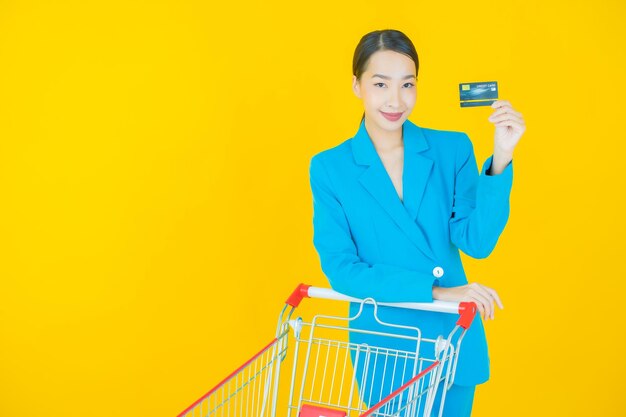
(387,88)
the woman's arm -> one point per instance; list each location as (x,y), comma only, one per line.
(510,127)
(345,271)
(479,215)
(481,203)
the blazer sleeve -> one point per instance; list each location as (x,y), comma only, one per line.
(481,203)
(346,272)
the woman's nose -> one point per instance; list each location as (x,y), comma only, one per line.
(392,102)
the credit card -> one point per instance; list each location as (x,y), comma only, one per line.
(478,94)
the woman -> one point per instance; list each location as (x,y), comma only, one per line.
(394,204)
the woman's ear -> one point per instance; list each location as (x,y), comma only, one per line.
(356,86)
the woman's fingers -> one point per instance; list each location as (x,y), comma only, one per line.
(479,305)
(481,296)
(511,123)
(505,110)
(481,308)
(484,297)
(477,295)
(501,103)
(487,297)
(505,116)
(495,297)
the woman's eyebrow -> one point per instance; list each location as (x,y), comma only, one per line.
(385,77)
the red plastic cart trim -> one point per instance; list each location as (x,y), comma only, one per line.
(467,310)
(396,392)
(269,345)
(298,294)
(313,411)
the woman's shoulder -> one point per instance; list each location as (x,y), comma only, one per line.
(338,151)
(447,141)
(441,135)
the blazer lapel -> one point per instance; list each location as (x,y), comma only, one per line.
(416,168)
(377,182)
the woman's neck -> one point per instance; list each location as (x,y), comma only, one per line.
(384,140)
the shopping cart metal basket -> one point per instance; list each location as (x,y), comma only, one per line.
(328,375)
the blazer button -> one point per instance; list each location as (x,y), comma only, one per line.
(438,271)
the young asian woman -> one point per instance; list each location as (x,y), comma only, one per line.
(394,205)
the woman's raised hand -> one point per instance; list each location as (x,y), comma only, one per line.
(483,296)
(510,126)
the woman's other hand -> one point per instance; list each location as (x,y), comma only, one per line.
(510,126)
(483,296)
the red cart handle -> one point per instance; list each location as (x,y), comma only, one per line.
(298,294)
(467,310)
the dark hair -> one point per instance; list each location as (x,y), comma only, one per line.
(382,40)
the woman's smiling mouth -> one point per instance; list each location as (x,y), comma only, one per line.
(392,116)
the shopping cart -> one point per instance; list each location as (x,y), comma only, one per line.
(332,376)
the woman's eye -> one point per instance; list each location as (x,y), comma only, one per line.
(409,84)
(380,84)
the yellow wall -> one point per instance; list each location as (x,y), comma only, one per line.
(156,210)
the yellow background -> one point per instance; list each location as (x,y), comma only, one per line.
(156,212)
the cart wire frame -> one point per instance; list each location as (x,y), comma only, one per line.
(252,389)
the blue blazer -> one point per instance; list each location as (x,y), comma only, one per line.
(372,244)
